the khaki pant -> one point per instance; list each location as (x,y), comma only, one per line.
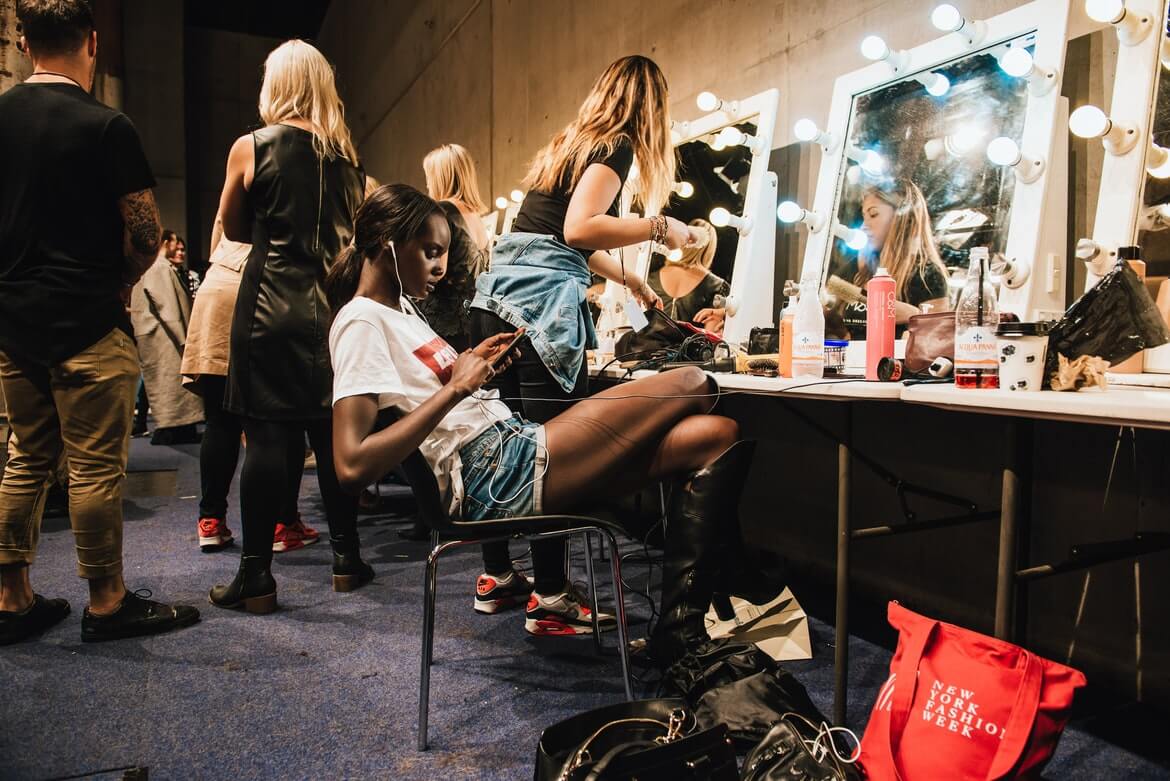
(81,408)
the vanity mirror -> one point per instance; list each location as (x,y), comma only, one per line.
(723,179)
(949,146)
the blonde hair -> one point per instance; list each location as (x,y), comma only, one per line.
(701,253)
(298,84)
(451,176)
(627,103)
(909,246)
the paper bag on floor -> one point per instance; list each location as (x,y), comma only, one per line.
(779,628)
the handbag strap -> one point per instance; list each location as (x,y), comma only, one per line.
(1019,724)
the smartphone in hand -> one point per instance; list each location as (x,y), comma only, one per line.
(508,351)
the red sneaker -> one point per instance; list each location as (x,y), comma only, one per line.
(288,538)
(214,534)
(309,534)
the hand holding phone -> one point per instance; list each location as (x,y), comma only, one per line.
(503,356)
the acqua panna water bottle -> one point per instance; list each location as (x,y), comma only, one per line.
(808,333)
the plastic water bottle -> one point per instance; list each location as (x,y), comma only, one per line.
(879,321)
(976,318)
(808,333)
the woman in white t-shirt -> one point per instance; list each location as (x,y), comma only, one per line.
(490,463)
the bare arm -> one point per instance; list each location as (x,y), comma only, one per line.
(361,457)
(604,264)
(586,221)
(143,229)
(234,210)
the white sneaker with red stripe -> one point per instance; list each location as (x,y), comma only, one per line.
(494,593)
(214,534)
(565,614)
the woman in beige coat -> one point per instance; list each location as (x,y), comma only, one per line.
(160,310)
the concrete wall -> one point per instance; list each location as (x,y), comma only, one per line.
(224,71)
(153,95)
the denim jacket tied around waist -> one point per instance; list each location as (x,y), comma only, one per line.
(538,283)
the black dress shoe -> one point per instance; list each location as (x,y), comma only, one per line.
(135,617)
(42,614)
(349,571)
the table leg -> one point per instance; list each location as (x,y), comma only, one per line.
(841,630)
(1015,499)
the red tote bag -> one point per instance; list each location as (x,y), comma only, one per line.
(962,706)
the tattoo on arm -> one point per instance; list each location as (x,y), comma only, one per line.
(143,228)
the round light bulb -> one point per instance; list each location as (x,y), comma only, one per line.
(1003,151)
(674,255)
(805,130)
(720,217)
(963,140)
(501,202)
(873,163)
(1158,162)
(685,189)
(731,136)
(1105,11)
(874,48)
(707,101)
(717,142)
(790,212)
(946,18)
(517,196)
(1017,62)
(1088,122)
(938,84)
(856,240)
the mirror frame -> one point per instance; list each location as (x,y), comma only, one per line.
(1032,208)
(1119,205)
(754,267)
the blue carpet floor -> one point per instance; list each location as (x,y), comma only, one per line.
(327,687)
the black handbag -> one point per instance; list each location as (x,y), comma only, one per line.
(798,750)
(646,740)
(737,684)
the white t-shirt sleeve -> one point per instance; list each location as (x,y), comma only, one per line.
(362,364)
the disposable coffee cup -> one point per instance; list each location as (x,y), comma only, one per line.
(1022,349)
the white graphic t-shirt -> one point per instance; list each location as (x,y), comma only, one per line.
(396,356)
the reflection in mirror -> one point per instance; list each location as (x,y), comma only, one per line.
(917,181)
(712,173)
(1154,221)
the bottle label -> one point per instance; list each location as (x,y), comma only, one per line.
(975,348)
(808,347)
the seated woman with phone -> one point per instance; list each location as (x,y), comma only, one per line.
(490,462)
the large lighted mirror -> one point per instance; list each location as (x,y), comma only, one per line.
(917,186)
(931,151)
(1153,224)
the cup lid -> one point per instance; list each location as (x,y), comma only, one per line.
(836,343)
(1041,328)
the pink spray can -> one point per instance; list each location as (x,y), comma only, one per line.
(879,321)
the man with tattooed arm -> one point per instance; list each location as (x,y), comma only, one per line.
(78,227)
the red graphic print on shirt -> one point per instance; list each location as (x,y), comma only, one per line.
(439,357)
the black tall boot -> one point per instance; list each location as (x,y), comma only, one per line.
(349,571)
(253,588)
(690,570)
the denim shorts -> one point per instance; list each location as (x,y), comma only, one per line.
(503,470)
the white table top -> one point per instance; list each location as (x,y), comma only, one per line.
(808,388)
(1117,406)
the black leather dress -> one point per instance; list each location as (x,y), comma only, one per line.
(303,209)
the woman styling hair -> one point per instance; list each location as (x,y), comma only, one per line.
(901,240)
(291,190)
(491,462)
(569,219)
(686,286)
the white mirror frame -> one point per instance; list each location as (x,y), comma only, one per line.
(753,271)
(1033,212)
(1123,177)
(510,213)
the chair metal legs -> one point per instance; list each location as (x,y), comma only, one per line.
(430,587)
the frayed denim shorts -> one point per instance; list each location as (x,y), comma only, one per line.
(503,471)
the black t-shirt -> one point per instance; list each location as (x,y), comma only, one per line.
(544,213)
(65,160)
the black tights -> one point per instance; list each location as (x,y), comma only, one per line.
(219,452)
(520,386)
(273,462)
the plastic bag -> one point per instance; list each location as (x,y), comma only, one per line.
(1113,320)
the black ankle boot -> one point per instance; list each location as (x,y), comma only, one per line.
(697,513)
(349,571)
(253,588)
